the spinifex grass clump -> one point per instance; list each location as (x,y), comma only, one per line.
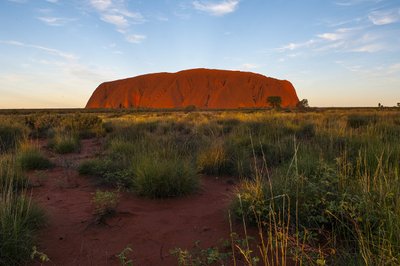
(164,177)
(10,170)
(63,143)
(19,219)
(105,204)
(31,158)
(10,135)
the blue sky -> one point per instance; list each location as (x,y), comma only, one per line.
(54,53)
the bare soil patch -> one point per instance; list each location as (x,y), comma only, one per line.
(150,227)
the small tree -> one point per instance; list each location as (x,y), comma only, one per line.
(398,104)
(274,101)
(303,104)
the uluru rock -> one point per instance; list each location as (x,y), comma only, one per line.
(203,88)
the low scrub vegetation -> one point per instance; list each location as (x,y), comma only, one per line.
(31,158)
(320,187)
(19,217)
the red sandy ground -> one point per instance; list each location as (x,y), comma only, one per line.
(150,227)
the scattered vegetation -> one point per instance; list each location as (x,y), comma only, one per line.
(320,187)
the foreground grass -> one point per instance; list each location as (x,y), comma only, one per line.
(19,218)
(323,188)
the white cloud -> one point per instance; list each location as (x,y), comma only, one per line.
(18,1)
(117,20)
(135,38)
(217,8)
(249,66)
(384,17)
(64,55)
(295,46)
(101,5)
(329,36)
(55,21)
(369,48)
(115,13)
(356,2)
(52,1)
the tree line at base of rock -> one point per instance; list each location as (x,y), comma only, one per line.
(276,101)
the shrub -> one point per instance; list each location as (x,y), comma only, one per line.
(105,204)
(10,135)
(30,158)
(357,121)
(306,131)
(84,125)
(107,172)
(65,143)
(164,177)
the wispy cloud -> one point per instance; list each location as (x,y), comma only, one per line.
(383,17)
(219,8)
(356,39)
(18,1)
(135,38)
(355,2)
(295,46)
(116,13)
(101,5)
(249,66)
(55,21)
(117,20)
(51,51)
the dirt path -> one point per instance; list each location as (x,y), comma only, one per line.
(150,227)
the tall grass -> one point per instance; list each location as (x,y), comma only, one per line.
(322,187)
(19,219)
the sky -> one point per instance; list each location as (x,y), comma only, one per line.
(54,53)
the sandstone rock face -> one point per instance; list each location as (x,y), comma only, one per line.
(203,88)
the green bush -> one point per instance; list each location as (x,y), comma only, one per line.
(30,158)
(64,143)
(162,177)
(107,172)
(10,136)
(357,121)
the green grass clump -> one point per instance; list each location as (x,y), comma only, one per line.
(65,143)
(19,219)
(105,204)
(10,170)
(107,172)
(31,158)
(10,136)
(357,121)
(163,178)
(213,160)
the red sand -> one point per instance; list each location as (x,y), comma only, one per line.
(203,88)
(151,227)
